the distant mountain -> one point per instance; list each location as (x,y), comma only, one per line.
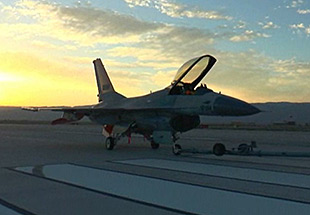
(273,113)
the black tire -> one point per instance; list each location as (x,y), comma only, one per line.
(109,143)
(154,145)
(219,149)
(176,149)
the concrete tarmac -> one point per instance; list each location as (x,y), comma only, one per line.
(66,170)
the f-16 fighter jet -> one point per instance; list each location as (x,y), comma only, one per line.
(159,116)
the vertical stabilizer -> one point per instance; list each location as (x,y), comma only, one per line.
(103,81)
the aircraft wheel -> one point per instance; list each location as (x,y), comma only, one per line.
(176,149)
(109,143)
(219,149)
(154,145)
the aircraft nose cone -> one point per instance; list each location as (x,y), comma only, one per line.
(227,106)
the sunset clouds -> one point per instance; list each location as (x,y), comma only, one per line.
(47,49)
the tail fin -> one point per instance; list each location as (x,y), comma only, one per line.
(103,81)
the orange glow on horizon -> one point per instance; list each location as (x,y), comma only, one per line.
(28,80)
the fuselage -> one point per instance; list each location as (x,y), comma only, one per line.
(159,110)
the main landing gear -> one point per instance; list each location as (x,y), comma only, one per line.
(110,142)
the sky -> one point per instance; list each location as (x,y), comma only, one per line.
(47,48)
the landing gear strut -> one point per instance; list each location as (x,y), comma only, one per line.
(176,149)
(110,143)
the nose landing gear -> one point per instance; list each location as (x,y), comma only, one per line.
(176,149)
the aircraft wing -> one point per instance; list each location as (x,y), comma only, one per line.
(85,108)
(93,109)
(71,114)
(75,113)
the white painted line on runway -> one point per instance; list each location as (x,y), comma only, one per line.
(174,195)
(288,179)
(7,211)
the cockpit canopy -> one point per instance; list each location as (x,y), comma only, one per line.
(191,73)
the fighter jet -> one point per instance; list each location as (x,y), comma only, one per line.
(159,116)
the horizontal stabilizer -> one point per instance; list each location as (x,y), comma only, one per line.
(68,117)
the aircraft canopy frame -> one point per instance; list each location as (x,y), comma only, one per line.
(192,72)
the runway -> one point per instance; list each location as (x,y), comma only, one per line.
(248,174)
(66,170)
